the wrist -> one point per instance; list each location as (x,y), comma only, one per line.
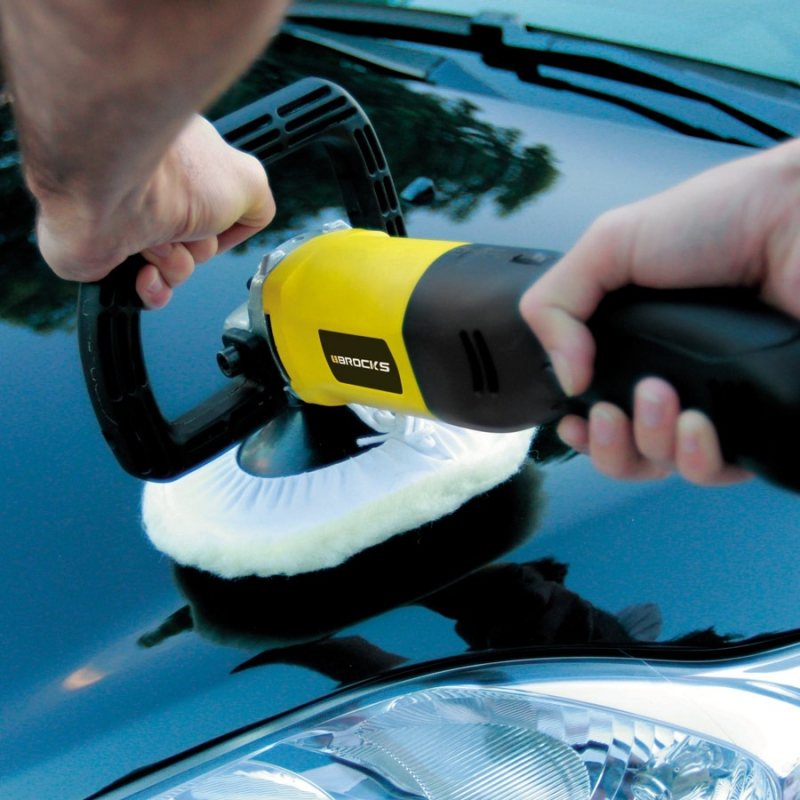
(84,237)
(84,234)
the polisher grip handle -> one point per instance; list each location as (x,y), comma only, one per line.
(147,445)
(725,351)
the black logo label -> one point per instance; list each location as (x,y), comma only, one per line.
(361,361)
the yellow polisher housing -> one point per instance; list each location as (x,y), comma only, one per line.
(336,307)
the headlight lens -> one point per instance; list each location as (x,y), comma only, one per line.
(498,733)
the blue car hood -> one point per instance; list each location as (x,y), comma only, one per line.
(115,658)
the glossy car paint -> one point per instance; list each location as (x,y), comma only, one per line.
(113,658)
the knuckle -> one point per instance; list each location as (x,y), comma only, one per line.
(610,225)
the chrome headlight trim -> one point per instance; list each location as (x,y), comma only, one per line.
(751,704)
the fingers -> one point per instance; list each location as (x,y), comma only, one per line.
(259,208)
(169,265)
(656,409)
(203,250)
(574,432)
(228,191)
(660,440)
(204,197)
(613,448)
(240,205)
(698,455)
(154,292)
(236,234)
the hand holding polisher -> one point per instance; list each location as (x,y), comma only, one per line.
(426,328)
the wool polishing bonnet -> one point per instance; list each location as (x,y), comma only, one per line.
(227,521)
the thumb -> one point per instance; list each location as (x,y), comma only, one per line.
(566,339)
(558,305)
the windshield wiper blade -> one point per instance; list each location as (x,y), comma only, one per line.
(546,58)
(506,44)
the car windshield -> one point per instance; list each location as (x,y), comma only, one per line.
(760,36)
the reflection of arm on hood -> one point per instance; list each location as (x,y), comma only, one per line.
(508,605)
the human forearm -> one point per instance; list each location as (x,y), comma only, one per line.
(105,98)
(102,87)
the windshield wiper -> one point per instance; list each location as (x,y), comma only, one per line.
(645,83)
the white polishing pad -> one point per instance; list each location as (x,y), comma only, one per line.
(226,521)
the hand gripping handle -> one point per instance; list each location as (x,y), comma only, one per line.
(146,444)
(726,352)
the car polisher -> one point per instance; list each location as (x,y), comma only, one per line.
(420,341)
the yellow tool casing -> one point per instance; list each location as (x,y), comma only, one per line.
(336,306)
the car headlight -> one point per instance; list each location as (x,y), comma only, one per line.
(571,729)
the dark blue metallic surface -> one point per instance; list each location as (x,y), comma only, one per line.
(95,683)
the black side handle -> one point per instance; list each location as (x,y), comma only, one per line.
(725,351)
(146,444)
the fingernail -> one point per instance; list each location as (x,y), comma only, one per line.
(161,250)
(563,372)
(604,428)
(688,437)
(573,433)
(649,408)
(155,284)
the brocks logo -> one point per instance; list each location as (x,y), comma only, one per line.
(361,361)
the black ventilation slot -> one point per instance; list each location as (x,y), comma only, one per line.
(263,139)
(310,117)
(395,226)
(319,127)
(306,100)
(264,121)
(366,152)
(380,196)
(268,153)
(481,363)
(388,185)
(474,363)
(375,147)
(487,362)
